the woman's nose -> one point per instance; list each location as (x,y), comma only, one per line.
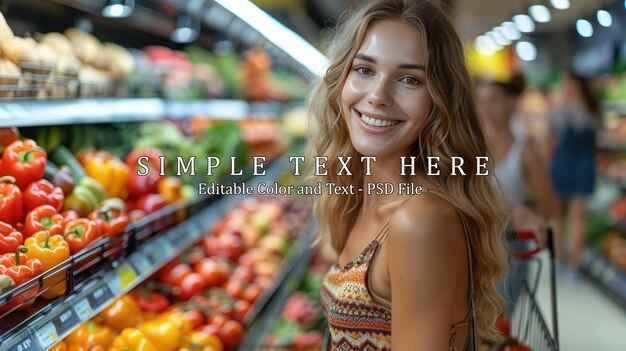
(379,93)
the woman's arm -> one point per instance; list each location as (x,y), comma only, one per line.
(537,174)
(427,269)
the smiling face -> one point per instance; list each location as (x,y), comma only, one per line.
(385,98)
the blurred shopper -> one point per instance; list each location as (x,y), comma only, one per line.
(573,126)
(520,173)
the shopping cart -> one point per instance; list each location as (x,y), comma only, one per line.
(528,324)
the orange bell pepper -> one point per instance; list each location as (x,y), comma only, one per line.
(91,334)
(60,346)
(108,170)
(171,189)
(50,250)
(197,340)
(17,269)
(122,313)
(132,339)
(76,347)
(80,233)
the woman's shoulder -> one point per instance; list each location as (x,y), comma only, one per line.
(426,217)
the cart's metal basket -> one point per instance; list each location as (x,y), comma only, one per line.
(528,324)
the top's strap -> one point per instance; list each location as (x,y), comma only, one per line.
(383,232)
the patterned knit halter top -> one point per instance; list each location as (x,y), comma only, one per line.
(356,321)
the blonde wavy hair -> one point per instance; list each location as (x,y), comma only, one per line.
(453,128)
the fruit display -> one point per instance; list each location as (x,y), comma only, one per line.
(202,298)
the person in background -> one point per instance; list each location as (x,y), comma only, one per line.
(573,126)
(414,272)
(519,173)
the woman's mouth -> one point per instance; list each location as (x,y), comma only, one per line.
(376,122)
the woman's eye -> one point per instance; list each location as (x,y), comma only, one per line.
(410,81)
(363,70)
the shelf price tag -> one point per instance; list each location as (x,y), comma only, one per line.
(47,335)
(140,262)
(83,309)
(25,342)
(163,250)
(121,279)
(66,320)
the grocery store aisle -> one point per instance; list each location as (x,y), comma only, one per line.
(588,319)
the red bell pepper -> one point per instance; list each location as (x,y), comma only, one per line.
(25,161)
(150,300)
(10,239)
(111,221)
(11,210)
(139,185)
(79,233)
(42,192)
(44,217)
(150,203)
(17,269)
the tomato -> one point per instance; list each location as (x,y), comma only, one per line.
(193,255)
(217,320)
(235,288)
(196,317)
(504,325)
(190,285)
(240,310)
(210,329)
(230,333)
(226,245)
(214,271)
(252,292)
(243,273)
(174,274)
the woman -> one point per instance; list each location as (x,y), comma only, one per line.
(415,267)
(519,170)
(573,128)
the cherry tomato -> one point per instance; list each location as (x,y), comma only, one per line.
(196,318)
(214,271)
(217,320)
(240,310)
(235,288)
(252,292)
(190,285)
(230,333)
(174,274)
(244,273)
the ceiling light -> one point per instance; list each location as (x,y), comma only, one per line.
(540,13)
(118,8)
(288,41)
(499,38)
(560,4)
(604,18)
(584,28)
(510,31)
(524,23)
(526,51)
(187,29)
(486,45)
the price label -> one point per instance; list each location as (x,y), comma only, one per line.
(140,262)
(99,297)
(25,343)
(66,321)
(47,335)
(126,275)
(83,309)
(162,249)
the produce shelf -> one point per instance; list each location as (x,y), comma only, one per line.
(606,276)
(148,245)
(90,111)
(259,329)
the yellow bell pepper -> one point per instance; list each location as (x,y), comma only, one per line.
(171,189)
(178,318)
(91,334)
(122,313)
(50,250)
(132,339)
(163,333)
(108,170)
(200,341)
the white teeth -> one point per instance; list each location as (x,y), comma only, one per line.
(378,122)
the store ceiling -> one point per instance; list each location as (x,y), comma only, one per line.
(476,17)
